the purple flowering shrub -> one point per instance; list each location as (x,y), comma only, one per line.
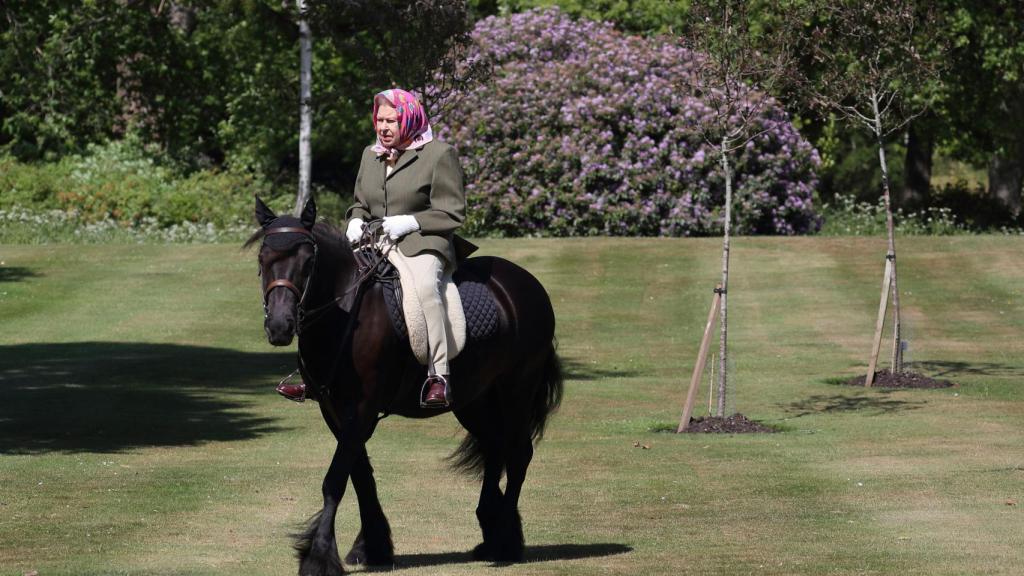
(585,131)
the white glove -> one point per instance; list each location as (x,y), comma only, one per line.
(398,226)
(355,230)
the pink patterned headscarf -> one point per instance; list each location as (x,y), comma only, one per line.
(413,126)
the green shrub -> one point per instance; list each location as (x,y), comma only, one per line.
(123,182)
(30,184)
(21,226)
(845,216)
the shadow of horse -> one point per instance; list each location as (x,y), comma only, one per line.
(16,273)
(111,396)
(543,553)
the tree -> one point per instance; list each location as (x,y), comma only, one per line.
(982,105)
(870,60)
(416,45)
(737,67)
(305,114)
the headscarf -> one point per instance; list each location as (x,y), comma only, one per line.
(413,126)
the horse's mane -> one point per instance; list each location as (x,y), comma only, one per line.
(322,231)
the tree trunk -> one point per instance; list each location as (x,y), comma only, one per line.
(897,349)
(724,322)
(183,17)
(1005,177)
(305,114)
(917,170)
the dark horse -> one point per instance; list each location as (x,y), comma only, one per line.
(357,367)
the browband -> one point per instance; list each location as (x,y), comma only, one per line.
(288,230)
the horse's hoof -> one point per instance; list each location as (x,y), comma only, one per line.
(355,558)
(483,551)
(359,557)
(508,553)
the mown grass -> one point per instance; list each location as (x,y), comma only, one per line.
(139,431)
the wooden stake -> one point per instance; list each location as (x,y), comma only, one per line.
(698,369)
(711,385)
(882,305)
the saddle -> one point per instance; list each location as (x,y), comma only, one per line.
(472,312)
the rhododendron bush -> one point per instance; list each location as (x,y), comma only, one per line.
(583,130)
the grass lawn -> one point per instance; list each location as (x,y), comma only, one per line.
(140,434)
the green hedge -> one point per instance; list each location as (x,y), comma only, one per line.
(124,183)
(118,181)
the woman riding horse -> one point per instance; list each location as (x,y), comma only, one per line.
(414,183)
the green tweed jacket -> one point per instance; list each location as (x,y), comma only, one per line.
(425,183)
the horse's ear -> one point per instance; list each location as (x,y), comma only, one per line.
(308,217)
(264,215)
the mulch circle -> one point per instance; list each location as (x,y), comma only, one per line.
(886,379)
(735,424)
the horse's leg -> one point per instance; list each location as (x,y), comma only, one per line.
(488,509)
(518,449)
(316,546)
(481,451)
(373,545)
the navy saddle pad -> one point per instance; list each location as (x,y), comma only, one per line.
(482,318)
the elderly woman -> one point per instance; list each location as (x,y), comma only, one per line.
(414,183)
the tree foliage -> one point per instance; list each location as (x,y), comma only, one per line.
(210,83)
(875,62)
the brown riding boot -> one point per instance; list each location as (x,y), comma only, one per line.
(293,392)
(437,393)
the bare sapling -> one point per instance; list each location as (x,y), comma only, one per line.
(737,67)
(873,62)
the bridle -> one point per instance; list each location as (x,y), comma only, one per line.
(370,262)
(284,282)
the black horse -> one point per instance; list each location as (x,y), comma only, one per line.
(357,367)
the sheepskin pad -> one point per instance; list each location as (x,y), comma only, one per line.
(416,323)
(472,313)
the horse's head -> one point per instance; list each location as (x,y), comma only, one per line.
(287,259)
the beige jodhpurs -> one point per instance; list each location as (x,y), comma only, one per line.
(428,269)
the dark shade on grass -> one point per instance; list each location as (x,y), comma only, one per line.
(582,371)
(838,403)
(110,397)
(542,553)
(15,273)
(944,368)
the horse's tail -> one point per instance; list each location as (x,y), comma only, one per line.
(549,397)
(469,457)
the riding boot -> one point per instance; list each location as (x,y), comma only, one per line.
(437,392)
(293,392)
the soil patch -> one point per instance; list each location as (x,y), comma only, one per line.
(735,424)
(886,379)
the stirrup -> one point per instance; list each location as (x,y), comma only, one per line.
(283,388)
(426,388)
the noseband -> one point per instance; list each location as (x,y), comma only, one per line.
(285,283)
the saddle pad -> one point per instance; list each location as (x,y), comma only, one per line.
(416,323)
(480,311)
